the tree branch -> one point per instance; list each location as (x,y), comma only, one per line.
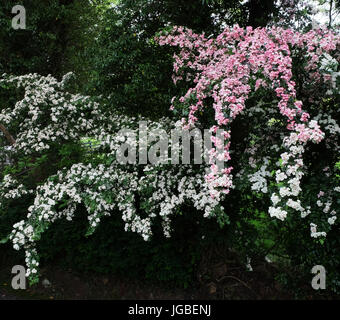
(7,134)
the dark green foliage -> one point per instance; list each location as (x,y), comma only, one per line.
(171,261)
(53,42)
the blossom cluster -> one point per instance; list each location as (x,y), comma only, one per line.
(228,70)
(139,193)
(239,62)
(46,115)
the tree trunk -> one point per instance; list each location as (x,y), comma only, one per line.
(7,134)
(260,12)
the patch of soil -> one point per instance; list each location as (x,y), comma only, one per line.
(217,279)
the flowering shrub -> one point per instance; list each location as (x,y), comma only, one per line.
(271,91)
(232,66)
(47,118)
